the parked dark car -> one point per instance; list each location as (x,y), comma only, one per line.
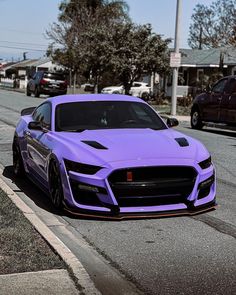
(47,83)
(217,104)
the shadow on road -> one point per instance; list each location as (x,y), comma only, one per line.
(30,190)
(40,198)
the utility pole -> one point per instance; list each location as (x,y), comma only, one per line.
(175,69)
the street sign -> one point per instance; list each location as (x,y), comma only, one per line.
(175,60)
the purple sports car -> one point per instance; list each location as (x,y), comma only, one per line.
(112,156)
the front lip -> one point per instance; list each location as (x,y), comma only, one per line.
(184,212)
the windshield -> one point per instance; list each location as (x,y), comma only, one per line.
(93,115)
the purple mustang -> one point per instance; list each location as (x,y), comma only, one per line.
(113,156)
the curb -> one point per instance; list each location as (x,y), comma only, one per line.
(78,271)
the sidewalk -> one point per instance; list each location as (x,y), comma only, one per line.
(51,282)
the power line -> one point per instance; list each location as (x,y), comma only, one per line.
(23,43)
(22,48)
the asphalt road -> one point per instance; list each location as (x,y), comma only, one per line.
(181,255)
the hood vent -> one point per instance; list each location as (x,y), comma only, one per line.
(94,144)
(182,141)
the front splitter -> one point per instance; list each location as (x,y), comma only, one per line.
(185,212)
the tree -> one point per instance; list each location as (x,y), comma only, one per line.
(213,26)
(80,24)
(137,51)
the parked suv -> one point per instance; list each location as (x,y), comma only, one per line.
(216,105)
(47,83)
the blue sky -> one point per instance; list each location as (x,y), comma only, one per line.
(23,22)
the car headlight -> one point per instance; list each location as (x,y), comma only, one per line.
(81,168)
(206,163)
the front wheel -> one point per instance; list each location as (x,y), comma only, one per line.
(18,166)
(55,185)
(196,121)
(28,93)
(36,93)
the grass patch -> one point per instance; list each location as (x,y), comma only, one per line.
(22,248)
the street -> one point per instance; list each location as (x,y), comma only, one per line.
(181,255)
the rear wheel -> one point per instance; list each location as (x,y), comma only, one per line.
(196,121)
(55,185)
(18,166)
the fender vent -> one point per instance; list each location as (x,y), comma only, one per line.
(182,141)
(94,144)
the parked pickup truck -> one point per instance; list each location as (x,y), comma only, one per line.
(216,105)
(139,89)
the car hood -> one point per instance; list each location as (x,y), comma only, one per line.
(132,144)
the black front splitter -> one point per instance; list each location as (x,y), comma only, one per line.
(121,216)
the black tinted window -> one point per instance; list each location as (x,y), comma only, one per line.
(219,87)
(232,86)
(78,116)
(43,114)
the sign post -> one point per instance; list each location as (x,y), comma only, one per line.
(175,60)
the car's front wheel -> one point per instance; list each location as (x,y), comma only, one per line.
(55,185)
(18,166)
(28,93)
(196,121)
(36,93)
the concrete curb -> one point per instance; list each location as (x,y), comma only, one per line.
(80,274)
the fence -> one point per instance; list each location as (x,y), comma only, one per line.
(11,83)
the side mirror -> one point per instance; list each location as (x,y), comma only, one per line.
(35,126)
(27,111)
(172,122)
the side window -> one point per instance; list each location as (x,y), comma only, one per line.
(137,85)
(43,114)
(219,87)
(232,86)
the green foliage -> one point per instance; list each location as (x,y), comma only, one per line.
(97,37)
(214,25)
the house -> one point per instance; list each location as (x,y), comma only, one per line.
(201,67)
(20,71)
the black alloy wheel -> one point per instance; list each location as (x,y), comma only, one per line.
(18,166)
(55,184)
(196,121)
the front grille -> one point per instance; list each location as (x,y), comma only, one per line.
(152,186)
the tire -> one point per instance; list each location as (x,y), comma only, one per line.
(18,166)
(36,93)
(55,185)
(145,96)
(28,93)
(196,121)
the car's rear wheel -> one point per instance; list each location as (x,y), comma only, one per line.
(196,121)
(18,166)
(55,185)
(36,92)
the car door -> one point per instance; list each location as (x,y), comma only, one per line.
(228,104)
(37,143)
(211,107)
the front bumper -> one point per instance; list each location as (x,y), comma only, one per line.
(93,195)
